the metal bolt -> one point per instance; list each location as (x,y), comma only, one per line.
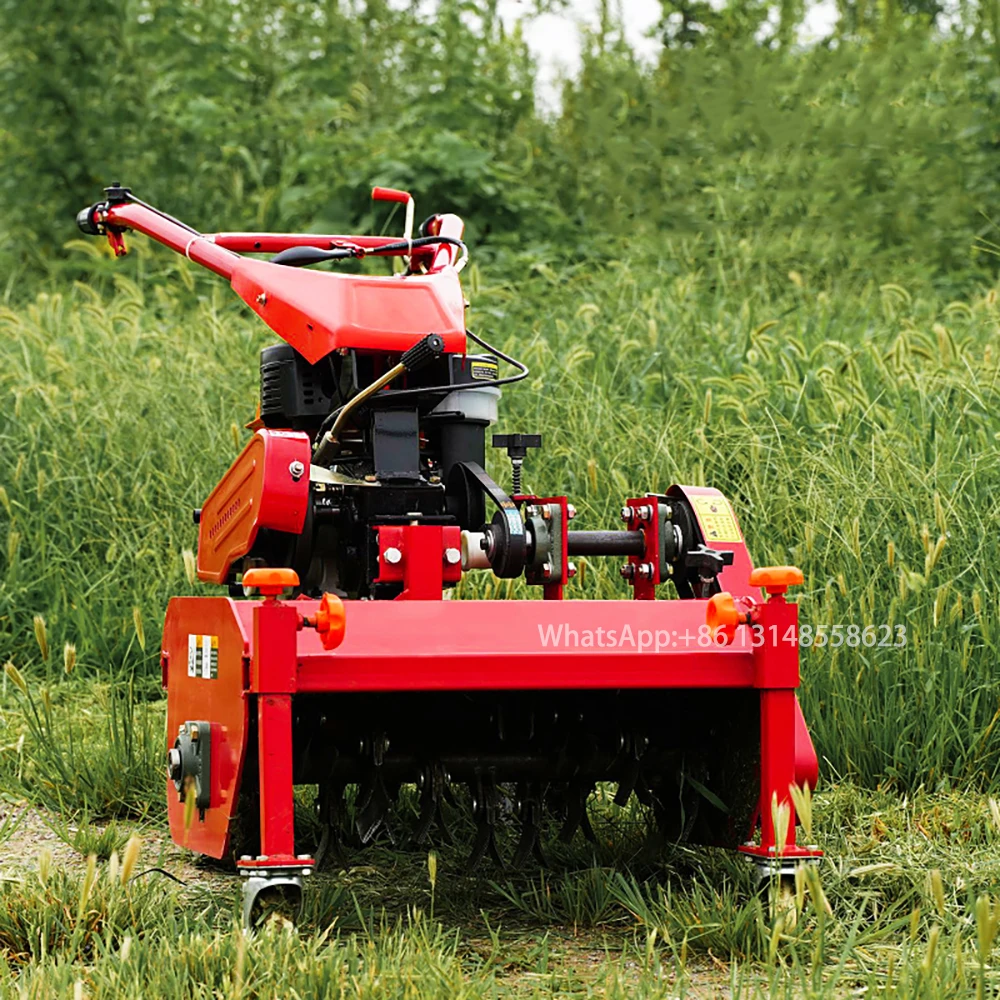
(245,857)
(546,570)
(173,762)
(304,857)
(546,512)
(570,511)
(668,511)
(570,570)
(628,571)
(194,733)
(626,513)
(262,299)
(645,512)
(182,729)
(393,556)
(452,556)
(371,479)
(531,511)
(296,469)
(646,571)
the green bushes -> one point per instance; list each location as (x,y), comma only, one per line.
(871,154)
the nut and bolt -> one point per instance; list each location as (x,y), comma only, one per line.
(628,571)
(262,299)
(570,570)
(531,511)
(645,512)
(174,762)
(194,733)
(570,511)
(393,556)
(646,571)
(296,470)
(626,514)
(547,570)
(452,556)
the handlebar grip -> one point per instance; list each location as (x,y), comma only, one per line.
(423,352)
(302,255)
(86,222)
(390,194)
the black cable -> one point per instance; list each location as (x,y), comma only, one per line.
(158,871)
(163,215)
(523,373)
(420,241)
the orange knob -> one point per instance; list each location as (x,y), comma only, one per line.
(776,579)
(722,616)
(270,582)
(330,621)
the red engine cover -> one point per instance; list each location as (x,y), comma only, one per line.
(317,312)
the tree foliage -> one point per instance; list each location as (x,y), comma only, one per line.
(873,149)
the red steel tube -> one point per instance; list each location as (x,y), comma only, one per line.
(195,246)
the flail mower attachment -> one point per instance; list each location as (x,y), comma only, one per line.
(359,501)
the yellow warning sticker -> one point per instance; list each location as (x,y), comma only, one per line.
(203,656)
(716,518)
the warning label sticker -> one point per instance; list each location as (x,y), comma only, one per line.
(484,370)
(716,518)
(203,656)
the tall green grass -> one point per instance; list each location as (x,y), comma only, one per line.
(853,427)
(904,906)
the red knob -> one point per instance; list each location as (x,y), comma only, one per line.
(330,621)
(270,582)
(722,616)
(776,579)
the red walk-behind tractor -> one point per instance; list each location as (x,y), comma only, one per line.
(359,502)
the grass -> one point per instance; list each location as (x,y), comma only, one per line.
(904,904)
(853,429)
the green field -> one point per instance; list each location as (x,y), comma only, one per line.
(852,430)
(756,266)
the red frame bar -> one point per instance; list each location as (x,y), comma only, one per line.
(272,678)
(219,252)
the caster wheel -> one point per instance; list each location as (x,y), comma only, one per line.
(271,900)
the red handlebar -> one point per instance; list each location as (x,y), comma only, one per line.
(390,194)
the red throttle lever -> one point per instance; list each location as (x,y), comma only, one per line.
(391,194)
